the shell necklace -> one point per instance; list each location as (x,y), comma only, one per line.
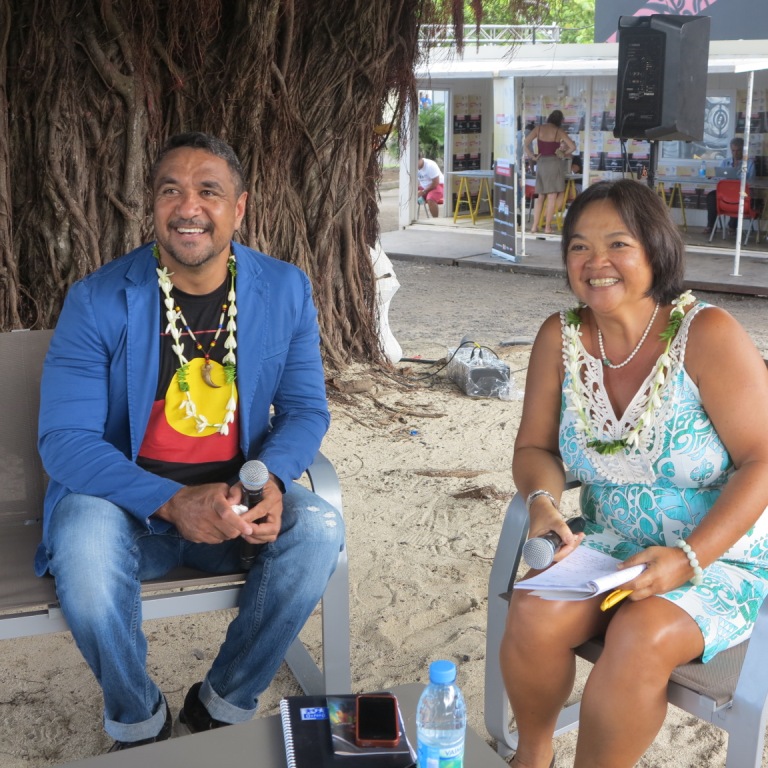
(606,362)
(173,314)
(577,394)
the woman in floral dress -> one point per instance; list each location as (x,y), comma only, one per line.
(658,404)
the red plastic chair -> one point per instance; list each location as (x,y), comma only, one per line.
(530,195)
(728,206)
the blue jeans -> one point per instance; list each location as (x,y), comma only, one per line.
(99,554)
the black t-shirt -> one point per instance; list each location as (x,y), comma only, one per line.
(172,447)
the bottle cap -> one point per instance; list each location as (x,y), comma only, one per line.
(442,672)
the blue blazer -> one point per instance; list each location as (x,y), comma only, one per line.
(100,377)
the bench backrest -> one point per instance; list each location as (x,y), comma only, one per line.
(21,472)
(22,478)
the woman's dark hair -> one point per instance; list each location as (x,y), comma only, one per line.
(556,118)
(211,144)
(647,219)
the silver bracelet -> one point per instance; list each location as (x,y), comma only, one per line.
(698,572)
(533,495)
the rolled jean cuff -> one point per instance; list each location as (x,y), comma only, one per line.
(223,710)
(147,729)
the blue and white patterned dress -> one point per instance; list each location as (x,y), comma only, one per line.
(661,489)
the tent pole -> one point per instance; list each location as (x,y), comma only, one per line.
(743,173)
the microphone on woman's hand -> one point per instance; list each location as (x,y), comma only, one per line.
(253,476)
(540,551)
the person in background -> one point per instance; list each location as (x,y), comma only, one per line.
(553,144)
(424,101)
(430,181)
(669,446)
(168,369)
(577,169)
(737,156)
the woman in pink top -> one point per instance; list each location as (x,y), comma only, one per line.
(553,144)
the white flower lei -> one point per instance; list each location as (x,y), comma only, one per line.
(577,395)
(230,343)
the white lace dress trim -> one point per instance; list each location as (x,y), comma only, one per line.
(632,465)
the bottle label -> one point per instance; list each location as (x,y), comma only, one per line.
(435,757)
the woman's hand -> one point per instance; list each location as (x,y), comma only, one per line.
(545,518)
(570,540)
(667,568)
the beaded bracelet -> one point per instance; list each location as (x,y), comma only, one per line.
(698,573)
(533,495)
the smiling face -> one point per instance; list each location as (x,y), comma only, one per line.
(196,210)
(607,265)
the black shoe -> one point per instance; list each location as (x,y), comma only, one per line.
(194,716)
(165,733)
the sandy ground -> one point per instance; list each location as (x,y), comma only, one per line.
(425,472)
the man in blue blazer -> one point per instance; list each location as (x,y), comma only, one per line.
(169,368)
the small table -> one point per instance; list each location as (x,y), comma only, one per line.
(697,182)
(570,190)
(571,179)
(259,744)
(463,192)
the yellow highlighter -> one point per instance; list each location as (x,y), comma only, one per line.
(615,597)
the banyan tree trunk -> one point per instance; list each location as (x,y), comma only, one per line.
(90,89)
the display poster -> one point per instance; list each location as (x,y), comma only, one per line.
(507,136)
(467,127)
(504,210)
(730,19)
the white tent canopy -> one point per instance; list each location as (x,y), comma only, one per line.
(559,60)
(442,66)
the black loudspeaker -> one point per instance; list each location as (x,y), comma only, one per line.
(662,78)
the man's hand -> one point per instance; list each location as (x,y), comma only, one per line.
(203,513)
(267,514)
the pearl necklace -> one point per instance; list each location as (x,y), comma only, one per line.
(173,315)
(604,357)
(577,394)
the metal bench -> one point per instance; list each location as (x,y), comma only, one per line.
(28,604)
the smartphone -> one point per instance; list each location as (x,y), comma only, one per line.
(376,720)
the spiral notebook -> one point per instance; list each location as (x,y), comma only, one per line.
(308,742)
(583,574)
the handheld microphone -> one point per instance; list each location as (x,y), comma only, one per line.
(539,552)
(253,476)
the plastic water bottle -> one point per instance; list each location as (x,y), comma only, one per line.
(703,169)
(441,719)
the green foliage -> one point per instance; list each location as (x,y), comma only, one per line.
(572,317)
(431,135)
(575,17)
(608,448)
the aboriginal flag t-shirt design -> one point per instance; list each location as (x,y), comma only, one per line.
(172,446)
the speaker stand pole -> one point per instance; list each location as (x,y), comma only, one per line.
(652,162)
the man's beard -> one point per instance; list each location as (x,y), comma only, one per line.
(180,255)
(191,261)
